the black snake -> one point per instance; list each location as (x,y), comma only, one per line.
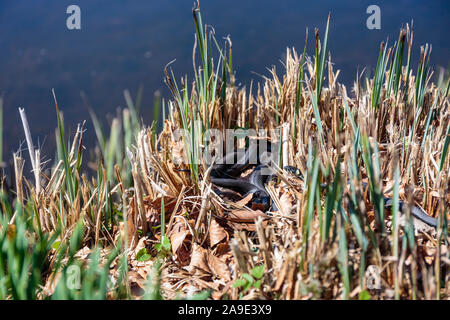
(227,174)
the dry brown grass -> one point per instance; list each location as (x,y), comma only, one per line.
(320,242)
(212,240)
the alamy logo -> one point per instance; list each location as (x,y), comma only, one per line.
(373,280)
(219,143)
(73,21)
(73,280)
(374,20)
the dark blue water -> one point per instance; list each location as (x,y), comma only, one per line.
(125,44)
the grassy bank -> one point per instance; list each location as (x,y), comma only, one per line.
(149,226)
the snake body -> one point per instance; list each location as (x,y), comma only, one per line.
(228,176)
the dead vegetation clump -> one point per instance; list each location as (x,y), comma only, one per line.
(389,137)
(169,235)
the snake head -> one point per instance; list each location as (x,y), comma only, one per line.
(261,201)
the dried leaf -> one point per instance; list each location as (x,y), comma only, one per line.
(216,233)
(286,200)
(178,235)
(218,267)
(221,249)
(244,201)
(245,215)
(199,258)
(240,226)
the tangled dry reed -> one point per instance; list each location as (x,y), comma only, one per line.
(175,237)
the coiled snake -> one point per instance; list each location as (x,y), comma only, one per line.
(228,176)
